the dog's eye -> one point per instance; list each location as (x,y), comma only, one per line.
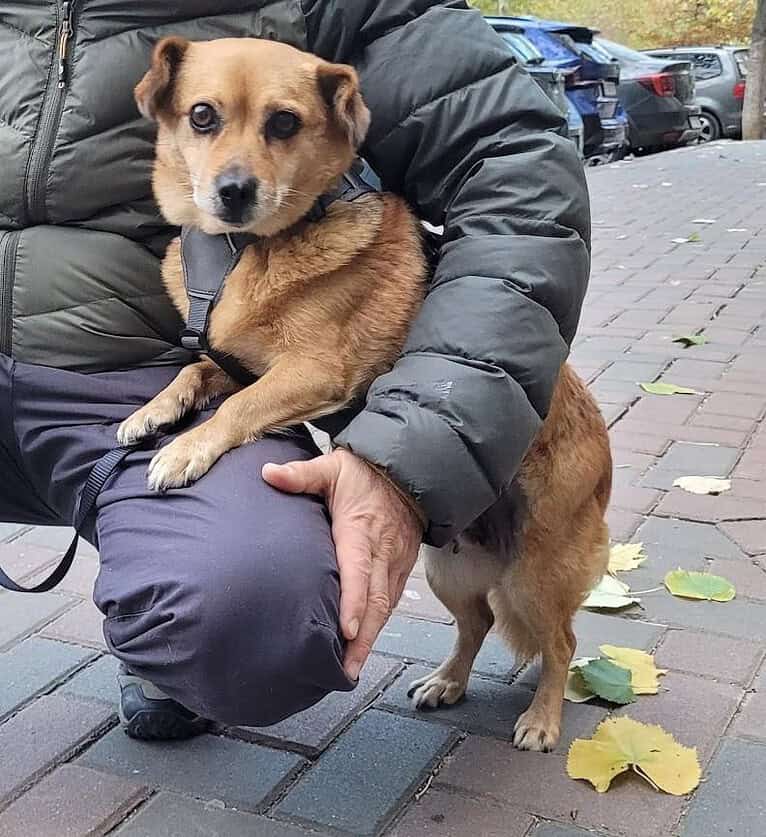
(203,118)
(282,125)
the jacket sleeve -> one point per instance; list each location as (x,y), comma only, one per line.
(473,144)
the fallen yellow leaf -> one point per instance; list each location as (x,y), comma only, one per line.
(620,744)
(626,556)
(703,485)
(644,673)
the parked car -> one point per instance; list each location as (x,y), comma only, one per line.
(550,79)
(658,96)
(591,83)
(720,73)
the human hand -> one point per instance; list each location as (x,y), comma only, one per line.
(376,532)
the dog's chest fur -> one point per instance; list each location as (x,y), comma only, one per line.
(343,290)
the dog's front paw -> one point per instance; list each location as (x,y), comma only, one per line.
(148,420)
(182,462)
(436,689)
(136,427)
(535,730)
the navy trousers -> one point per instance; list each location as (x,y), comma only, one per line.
(223,594)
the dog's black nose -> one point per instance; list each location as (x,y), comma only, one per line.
(237,192)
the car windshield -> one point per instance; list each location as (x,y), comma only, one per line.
(523,47)
(596,52)
(740,56)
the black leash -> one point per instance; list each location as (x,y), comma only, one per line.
(100,473)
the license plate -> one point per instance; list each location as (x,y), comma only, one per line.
(610,88)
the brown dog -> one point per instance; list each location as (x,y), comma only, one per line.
(251,133)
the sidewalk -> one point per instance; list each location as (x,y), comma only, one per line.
(364,763)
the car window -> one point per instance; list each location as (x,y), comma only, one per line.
(706,65)
(740,56)
(522,47)
(550,46)
(622,53)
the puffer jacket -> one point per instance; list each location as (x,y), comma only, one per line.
(457,128)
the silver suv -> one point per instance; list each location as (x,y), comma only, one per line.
(720,74)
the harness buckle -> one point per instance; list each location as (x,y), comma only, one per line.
(192,340)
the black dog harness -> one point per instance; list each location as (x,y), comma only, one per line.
(208,261)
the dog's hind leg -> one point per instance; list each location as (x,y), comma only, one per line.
(535,606)
(461,581)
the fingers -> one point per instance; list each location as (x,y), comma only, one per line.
(354,553)
(312,477)
(375,617)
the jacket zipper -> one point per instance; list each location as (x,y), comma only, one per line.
(50,117)
(8,244)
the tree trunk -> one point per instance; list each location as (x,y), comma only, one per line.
(755,89)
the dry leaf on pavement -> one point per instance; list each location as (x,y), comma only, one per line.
(626,556)
(693,585)
(621,744)
(703,485)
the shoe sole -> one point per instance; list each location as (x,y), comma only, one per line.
(156,725)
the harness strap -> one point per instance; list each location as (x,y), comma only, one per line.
(100,473)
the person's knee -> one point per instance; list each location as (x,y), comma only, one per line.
(251,641)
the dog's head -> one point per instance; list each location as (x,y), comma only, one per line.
(251,132)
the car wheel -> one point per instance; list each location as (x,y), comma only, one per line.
(711,128)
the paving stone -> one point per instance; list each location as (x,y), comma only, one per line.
(170,815)
(750,721)
(633,371)
(737,618)
(744,406)
(649,443)
(10,530)
(311,731)
(594,629)
(696,712)
(622,524)
(241,774)
(635,498)
(723,422)
(749,534)
(430,642)
(82,624)
(684,460)
(96,682)
(731,800)
(682,433)
(419,601)
(47,731)
(32,667)
(725,659)
(667,540)
(71,802)
(748,577)
(359,783)
(57,538)
(19,560)
(489,708)
(707,508)
(547,829)
(538,784)
(22,615)
(443,814)
(654,409)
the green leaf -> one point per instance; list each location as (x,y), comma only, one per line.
(694,237)
(609,594)
(688,340)
(576,689)
(662,388)
(609,681)
(694,585)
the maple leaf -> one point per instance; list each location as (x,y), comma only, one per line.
(621,744)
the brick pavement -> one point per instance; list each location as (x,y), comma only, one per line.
(365,763)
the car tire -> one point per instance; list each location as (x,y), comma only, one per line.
(711,127)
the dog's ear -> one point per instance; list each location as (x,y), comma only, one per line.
(155,90)
(339,85)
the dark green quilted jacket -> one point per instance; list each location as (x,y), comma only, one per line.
(457,128)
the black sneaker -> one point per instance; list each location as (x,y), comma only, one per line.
(148,714)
